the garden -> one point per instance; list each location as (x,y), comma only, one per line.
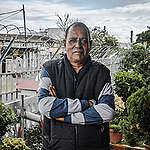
(132,87)
(132,98)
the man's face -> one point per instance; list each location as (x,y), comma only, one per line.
(77,45)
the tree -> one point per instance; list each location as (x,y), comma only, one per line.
(144,37)
(103,45)
(137,58)
(64,21)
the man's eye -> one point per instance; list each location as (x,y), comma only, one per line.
(84,41)
(72,41)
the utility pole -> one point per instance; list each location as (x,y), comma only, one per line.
(104,28)
(131,38)
(24,20)
(25,37)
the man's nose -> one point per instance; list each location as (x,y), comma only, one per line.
(78,43)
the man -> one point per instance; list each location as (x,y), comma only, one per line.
(76,97)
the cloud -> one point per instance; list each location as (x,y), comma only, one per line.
(119,21)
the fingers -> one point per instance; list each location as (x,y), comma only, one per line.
(60,119)
(52,91)
(90,103)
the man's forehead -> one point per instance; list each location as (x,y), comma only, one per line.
(76,30)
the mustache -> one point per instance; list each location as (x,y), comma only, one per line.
(77,51)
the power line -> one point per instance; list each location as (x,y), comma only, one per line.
(11,15)
(10,12)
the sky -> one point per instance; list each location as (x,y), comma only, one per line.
(119,16)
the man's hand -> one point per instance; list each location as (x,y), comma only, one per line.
(60,119)
(90,103)
(52,91)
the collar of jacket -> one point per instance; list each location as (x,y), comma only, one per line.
(85,68)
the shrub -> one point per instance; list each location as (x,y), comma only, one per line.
(136,125)
(14,144)
(127,83)
(137,58)
(115,128)
(7,119)
(33,137)
(134,55)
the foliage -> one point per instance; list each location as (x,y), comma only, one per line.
(14,144)
(131,83)
(119,110)
(115,127)
(7,119)
(33,137)
(137,58)
(136,125)
(127,83)
(144,37)
(126,131)
(103,44)
(138,106)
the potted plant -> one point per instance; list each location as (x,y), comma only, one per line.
(115,134)
(115,129)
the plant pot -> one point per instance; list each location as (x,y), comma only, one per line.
(115,137)
(146,147)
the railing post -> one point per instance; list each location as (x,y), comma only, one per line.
(16,84)
(12,79)
(6,89)
(22,115)
(0,81)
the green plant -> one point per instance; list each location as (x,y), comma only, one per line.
(33,137)
(127,83)
(126,128)
(119,110)
(136,125)
(137,58)
(7,119)
(144,37)
(103,44)
(115,127)
(14,144)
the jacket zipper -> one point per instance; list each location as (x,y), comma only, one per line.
(75,83)
(76,127)
(76,137)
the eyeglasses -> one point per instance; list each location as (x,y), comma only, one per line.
(82,41)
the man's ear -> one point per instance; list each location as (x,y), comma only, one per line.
(64,43)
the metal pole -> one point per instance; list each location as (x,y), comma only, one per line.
(0,77)
(104,28)
(24,20)
(131,38)
(25,36)
(1,81)
(22,115)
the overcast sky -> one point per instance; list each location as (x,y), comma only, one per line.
(119,16)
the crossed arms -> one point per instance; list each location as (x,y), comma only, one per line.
(74,111)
